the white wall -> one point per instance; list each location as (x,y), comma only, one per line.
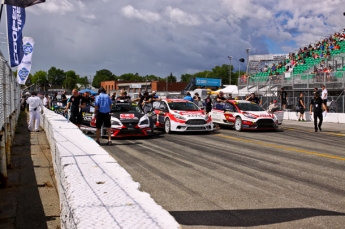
(330,117)
(94,190)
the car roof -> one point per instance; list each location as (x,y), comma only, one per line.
(176,100)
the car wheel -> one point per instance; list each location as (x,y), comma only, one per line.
(238,124)
(167,126)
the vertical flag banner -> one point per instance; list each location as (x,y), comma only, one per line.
(23,3)
(25,66)
(15,24)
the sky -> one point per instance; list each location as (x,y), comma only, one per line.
(160,37)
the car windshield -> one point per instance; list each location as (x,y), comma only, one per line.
(249,107)
(183,106)
(124,107)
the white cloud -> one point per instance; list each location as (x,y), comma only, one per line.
(180,17)
(144,15)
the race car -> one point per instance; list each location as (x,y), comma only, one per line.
(243,115)
(181,116)
(127,119)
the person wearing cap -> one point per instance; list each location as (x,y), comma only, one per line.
(154,97)
(35,110)
(316,106)
(301,107)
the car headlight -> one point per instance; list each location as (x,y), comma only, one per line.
(249,116)
(179,116)
(144,122)
(115,123)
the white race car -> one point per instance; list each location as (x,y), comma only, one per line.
(181,115)
(244,115)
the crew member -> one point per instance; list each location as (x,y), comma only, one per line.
(316,105)
(35,103)
(102,111)
(75,103)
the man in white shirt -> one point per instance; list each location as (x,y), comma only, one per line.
(35,109)
(46,101)
(324,94)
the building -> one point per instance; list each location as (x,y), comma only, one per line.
(133,87)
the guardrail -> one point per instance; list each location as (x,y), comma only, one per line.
(94,190)
(9,113)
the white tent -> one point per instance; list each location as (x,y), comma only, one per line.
(229,89)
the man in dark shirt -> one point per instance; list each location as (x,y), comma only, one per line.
(283,98)
(75,103)
(145,99)
(64,99)
(254,99)
(220,97)
(113,96)
(316,105)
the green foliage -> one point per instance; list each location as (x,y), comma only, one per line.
(171,78)
(102,75)
(84,81)
(186,77)
(71,79)
(56,77)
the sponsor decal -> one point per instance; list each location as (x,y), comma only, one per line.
(127,116)
(23,73)
(27,48)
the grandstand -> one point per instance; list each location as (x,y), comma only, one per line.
(322,63)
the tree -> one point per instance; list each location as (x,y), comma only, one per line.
(222,72)
(102,75)
(70,80)
(39,79)
(84,81)
(186,77)
(172,78)
(130,77)
(56,77)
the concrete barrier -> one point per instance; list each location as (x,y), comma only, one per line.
(94,190)
(330,117)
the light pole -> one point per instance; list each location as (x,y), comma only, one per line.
(247,50)
(230,58)
(239,67)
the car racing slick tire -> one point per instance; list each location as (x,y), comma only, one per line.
(167,126)
(238,124)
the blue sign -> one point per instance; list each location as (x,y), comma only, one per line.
(16,21)
(208,82)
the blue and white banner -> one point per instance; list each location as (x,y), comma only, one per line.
(15,24)
(25,66)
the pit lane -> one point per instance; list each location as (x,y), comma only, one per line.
(292,178)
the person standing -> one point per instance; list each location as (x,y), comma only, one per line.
(254,99)
(102,111)
(316,106)
(75,103)
(301,106)
(46,101)
(208,103)
(188,97)
(35,110)
(283,98)
(64,99)
(324,94)
(113,96)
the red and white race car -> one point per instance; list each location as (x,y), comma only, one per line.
(244,115)
(181,116)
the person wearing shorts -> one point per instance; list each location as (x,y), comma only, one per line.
(301,106)
(102,110)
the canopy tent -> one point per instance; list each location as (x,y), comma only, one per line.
(229,89)
(88,90)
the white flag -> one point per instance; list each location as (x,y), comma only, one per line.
(24,67)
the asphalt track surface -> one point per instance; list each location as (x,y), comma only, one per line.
(292,178)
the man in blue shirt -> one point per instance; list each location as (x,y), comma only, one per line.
(188,97)
(102,109)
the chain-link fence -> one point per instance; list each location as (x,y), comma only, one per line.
(9,113)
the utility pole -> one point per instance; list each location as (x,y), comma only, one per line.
(247,50)
(230,58)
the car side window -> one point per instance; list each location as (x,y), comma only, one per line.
(229,107)
(163,106)
(156,105)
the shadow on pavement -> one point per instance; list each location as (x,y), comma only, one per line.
(247,218)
